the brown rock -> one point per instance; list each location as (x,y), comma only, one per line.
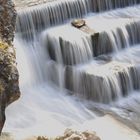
(91,135)
(9,88)
(78,23)
(42,138)
(7,20)
(75,135)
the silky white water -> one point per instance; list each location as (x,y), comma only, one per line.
(64,79)
(43,109)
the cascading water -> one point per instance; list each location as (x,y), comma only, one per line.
(101,74)
(60,11)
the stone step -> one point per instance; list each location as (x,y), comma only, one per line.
(67,45)
(106,76)
(91,40)
(53,13)
(102,81)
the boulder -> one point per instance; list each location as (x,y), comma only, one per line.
(9,88)
(7,20)
(78,23)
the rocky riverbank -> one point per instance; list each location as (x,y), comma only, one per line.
(9,89)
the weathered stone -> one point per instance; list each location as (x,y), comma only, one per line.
(81,24)
(90,135)
(68,132)
(78,23)
(90,81)
(9,89)
(75,135)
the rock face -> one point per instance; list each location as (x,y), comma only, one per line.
(7,20)
(9,89)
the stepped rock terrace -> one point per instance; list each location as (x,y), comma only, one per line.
(69,76)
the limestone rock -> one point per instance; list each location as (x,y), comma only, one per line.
(78,23)
(90,135)
(75,135)
(9,88)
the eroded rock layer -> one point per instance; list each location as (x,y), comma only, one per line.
(9,90)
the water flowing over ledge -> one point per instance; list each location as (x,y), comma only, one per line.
(58,12)
(80,48)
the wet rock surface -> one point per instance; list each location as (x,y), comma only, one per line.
(7,20)
(9,89)
(78,23)
(74,135)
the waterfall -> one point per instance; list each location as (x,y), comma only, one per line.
(44,16)
(68,49)
(104,82)
(41,103)
(80,48)
(68,76)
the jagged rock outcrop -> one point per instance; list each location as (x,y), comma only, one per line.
(74,135)
(9,89)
